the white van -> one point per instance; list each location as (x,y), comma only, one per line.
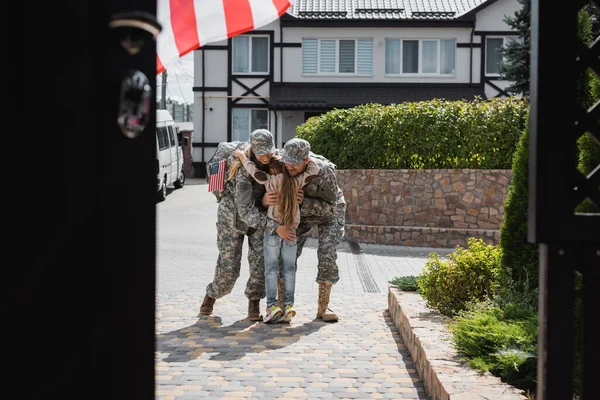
(169,155)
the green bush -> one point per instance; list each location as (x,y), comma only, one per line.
(589,158)
(406,283)
(435,134)
(468,275)
(501,341)
(519,263)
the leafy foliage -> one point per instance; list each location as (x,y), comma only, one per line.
(588,148)
(517,64)
(406,283)
(519,264)
(501,341)
(469,275)
(436,134)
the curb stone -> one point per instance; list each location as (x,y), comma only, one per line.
(425,335)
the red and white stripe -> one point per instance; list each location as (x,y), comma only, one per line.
(190,24)
(216,181)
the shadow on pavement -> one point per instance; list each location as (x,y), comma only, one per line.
(232,342)
(404,354)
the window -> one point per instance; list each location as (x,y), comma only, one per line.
(337,56)
(424,56)
(250,54)
(493,53)
(163,137)
(246,120)
(171,136)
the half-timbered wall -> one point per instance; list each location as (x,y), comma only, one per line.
(220,94)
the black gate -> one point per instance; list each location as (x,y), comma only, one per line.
(569,243)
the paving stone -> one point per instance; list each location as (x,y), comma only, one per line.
(226,356)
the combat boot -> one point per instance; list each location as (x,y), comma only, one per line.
(254,310)
(322,310)
(207,305)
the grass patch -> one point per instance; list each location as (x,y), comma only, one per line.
(406,283)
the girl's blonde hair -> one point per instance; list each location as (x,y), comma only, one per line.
(237,164)
(289,187)
(287,204)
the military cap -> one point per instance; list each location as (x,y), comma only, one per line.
(261,141)
(295,151)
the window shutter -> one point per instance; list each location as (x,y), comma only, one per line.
(309,56)
(364,56)
(327,56)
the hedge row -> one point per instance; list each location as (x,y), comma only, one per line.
(435,134)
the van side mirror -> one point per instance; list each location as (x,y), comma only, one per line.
(186,141)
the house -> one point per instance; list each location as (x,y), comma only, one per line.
(324,54)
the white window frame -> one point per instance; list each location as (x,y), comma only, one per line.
(420,73)
(249,55)
(505,39)
(250,110)
(337,57)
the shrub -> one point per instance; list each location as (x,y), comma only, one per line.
(435,134)
(468,275)
(406,283)
(501,341)
(519,263)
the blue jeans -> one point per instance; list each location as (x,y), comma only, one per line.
(277,248)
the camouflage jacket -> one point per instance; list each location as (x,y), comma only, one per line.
(244,200)
(323,198)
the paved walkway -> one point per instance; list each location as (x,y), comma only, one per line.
(226,356)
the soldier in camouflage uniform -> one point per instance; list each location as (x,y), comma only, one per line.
(240,213)
(323,206)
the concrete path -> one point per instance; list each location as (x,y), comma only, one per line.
(225,356)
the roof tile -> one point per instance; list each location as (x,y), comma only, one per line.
(383,9)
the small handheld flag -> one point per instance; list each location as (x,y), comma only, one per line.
(216,180)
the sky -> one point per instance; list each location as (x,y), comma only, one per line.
(180,80)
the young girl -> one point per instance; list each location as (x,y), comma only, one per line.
(280,244)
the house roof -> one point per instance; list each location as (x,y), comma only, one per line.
(289,96)
(383,9)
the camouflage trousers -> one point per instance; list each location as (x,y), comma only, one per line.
(230,242)
(331,232)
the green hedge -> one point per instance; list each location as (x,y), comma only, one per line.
(436,134)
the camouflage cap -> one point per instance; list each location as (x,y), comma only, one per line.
(295,151)
(261,141)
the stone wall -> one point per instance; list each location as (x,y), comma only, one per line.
(427,208)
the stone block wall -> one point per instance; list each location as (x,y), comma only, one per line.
(427,208)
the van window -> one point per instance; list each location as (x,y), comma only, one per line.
(163,140)
(171,135)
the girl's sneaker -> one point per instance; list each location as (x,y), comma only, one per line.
(273,314)
(288,314)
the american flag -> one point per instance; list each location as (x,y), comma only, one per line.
(216,181)
(190,24)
